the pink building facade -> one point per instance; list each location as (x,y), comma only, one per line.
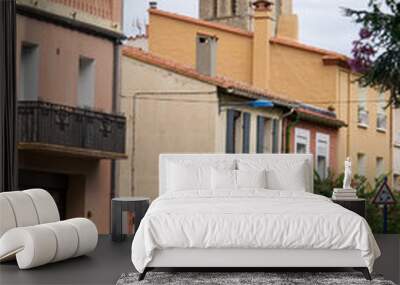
(69,132)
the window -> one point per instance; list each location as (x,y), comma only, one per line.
(275,136)
(215,8)
(264,130)
(363,115)
(29,72)
(361,164)
(206,54)
(238,132)
(233,131)
(397,138)
(380,168)
(322,154)
(381,113)
(301,140)
(234,7)
(86,82)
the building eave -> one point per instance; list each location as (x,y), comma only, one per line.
(320,119)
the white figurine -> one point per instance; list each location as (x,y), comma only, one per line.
(347,174)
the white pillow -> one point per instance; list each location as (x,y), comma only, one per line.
(188,177)
(282,174)
(193,174)
(293,180)
(251,178)
(223,179)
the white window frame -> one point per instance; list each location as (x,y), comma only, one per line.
(326,138)
(362,112)
(300,132)
(381,113)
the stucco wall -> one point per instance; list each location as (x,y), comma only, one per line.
(167,113)
(396,140)
(167,37)
(301,75)
(59,51)
(368,140)
(93,186)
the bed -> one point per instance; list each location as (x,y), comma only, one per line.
(246,211)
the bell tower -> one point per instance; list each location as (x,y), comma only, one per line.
(240,13)
(235,13)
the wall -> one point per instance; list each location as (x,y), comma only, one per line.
(106,14)
(94,188)
(314,129)
(107,9)
(59,51)
(368,140)
(396,145)
(301,75)
(166,113)
(168,36)
(242,18)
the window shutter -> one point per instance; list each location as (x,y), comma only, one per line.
(230,131)
(260,134)
(275,136)
(246,132)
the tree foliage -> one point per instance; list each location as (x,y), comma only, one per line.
(365,190)
(376,54)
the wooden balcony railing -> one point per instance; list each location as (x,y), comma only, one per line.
(47,126)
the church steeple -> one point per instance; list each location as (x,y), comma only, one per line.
(239,14)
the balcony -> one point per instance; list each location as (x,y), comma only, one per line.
(68,130)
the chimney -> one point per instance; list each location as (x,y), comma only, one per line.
(153,4)
(287,22)
(261,47)
(206,54)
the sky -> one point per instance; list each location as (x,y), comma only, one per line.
(321,23)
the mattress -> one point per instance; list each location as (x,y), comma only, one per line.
(251,219)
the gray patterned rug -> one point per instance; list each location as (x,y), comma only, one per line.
(269,278)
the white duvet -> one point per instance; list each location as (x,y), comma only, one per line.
(250,219)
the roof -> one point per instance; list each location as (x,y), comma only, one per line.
(199,22)
(91,29)
(236,87)
(329,57)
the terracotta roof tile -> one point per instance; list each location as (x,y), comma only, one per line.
(203,23)
(220,81)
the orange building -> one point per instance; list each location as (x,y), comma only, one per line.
(268,55)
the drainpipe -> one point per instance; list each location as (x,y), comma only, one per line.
(114,106)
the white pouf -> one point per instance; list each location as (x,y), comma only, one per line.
(31,232)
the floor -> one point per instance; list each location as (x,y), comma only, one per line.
(111,259)
(103,266)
